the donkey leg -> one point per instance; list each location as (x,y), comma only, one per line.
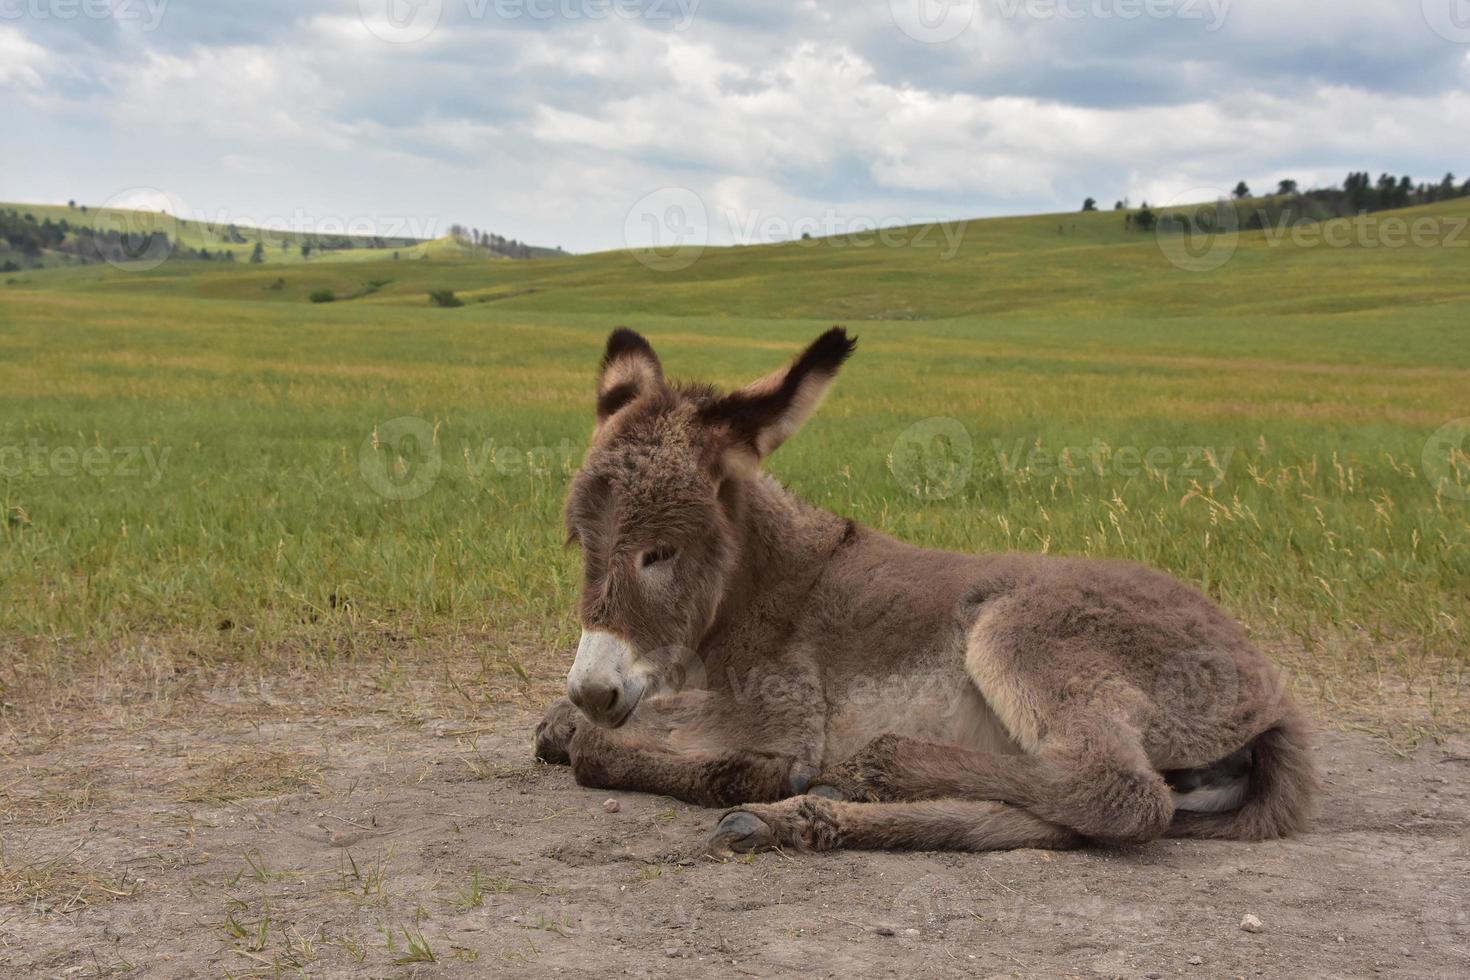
(898,769)
(610,760)
(682,747)
(1091,776)
(811,823)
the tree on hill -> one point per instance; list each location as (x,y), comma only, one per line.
(1146,219)
(1355,187)
(1387,190)
(1359,194)
(1090,204)
(1241,192)
(257,255)
(1286,187)
(306,250)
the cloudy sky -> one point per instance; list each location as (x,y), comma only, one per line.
(594,123)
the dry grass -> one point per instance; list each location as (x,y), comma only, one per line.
(1356,683)
(1348,678)
(49,796)
(52,690)
(251,773)
(60,883)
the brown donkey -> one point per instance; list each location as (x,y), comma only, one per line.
(741,648)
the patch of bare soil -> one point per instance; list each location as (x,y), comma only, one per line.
(311,839)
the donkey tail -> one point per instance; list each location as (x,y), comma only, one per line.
(1273,798)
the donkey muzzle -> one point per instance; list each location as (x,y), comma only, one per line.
(603,682)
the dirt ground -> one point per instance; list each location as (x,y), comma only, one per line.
(270,834)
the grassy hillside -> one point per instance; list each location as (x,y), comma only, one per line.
(1075,264)
(1261,427)
(280,246)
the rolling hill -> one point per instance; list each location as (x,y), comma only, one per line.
(1078,264)
(222,241)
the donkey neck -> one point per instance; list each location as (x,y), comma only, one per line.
(785,544)
(782,532)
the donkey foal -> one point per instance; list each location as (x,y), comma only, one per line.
(840,688)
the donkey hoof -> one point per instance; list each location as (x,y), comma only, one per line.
(741,833)
(554,734)
(827,793)
(800,779)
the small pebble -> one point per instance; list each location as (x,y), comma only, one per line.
(672,953)
(1195,960)
(1251,924)
(612,806)
(1152,975)
(884,930)
(911,932)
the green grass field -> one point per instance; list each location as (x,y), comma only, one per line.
(190,451)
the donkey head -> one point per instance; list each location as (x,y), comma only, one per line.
(655,509)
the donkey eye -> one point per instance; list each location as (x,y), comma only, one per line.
(656,556)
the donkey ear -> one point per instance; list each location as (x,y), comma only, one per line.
(762,415)
(629,369)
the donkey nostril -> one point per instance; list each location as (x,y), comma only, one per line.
(597,700)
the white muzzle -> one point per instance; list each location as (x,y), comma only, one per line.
(604,682)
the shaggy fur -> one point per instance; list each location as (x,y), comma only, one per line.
(844,689)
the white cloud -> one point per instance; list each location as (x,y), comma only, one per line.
(815,108)
(795,112)
(245,92)
(21,61)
